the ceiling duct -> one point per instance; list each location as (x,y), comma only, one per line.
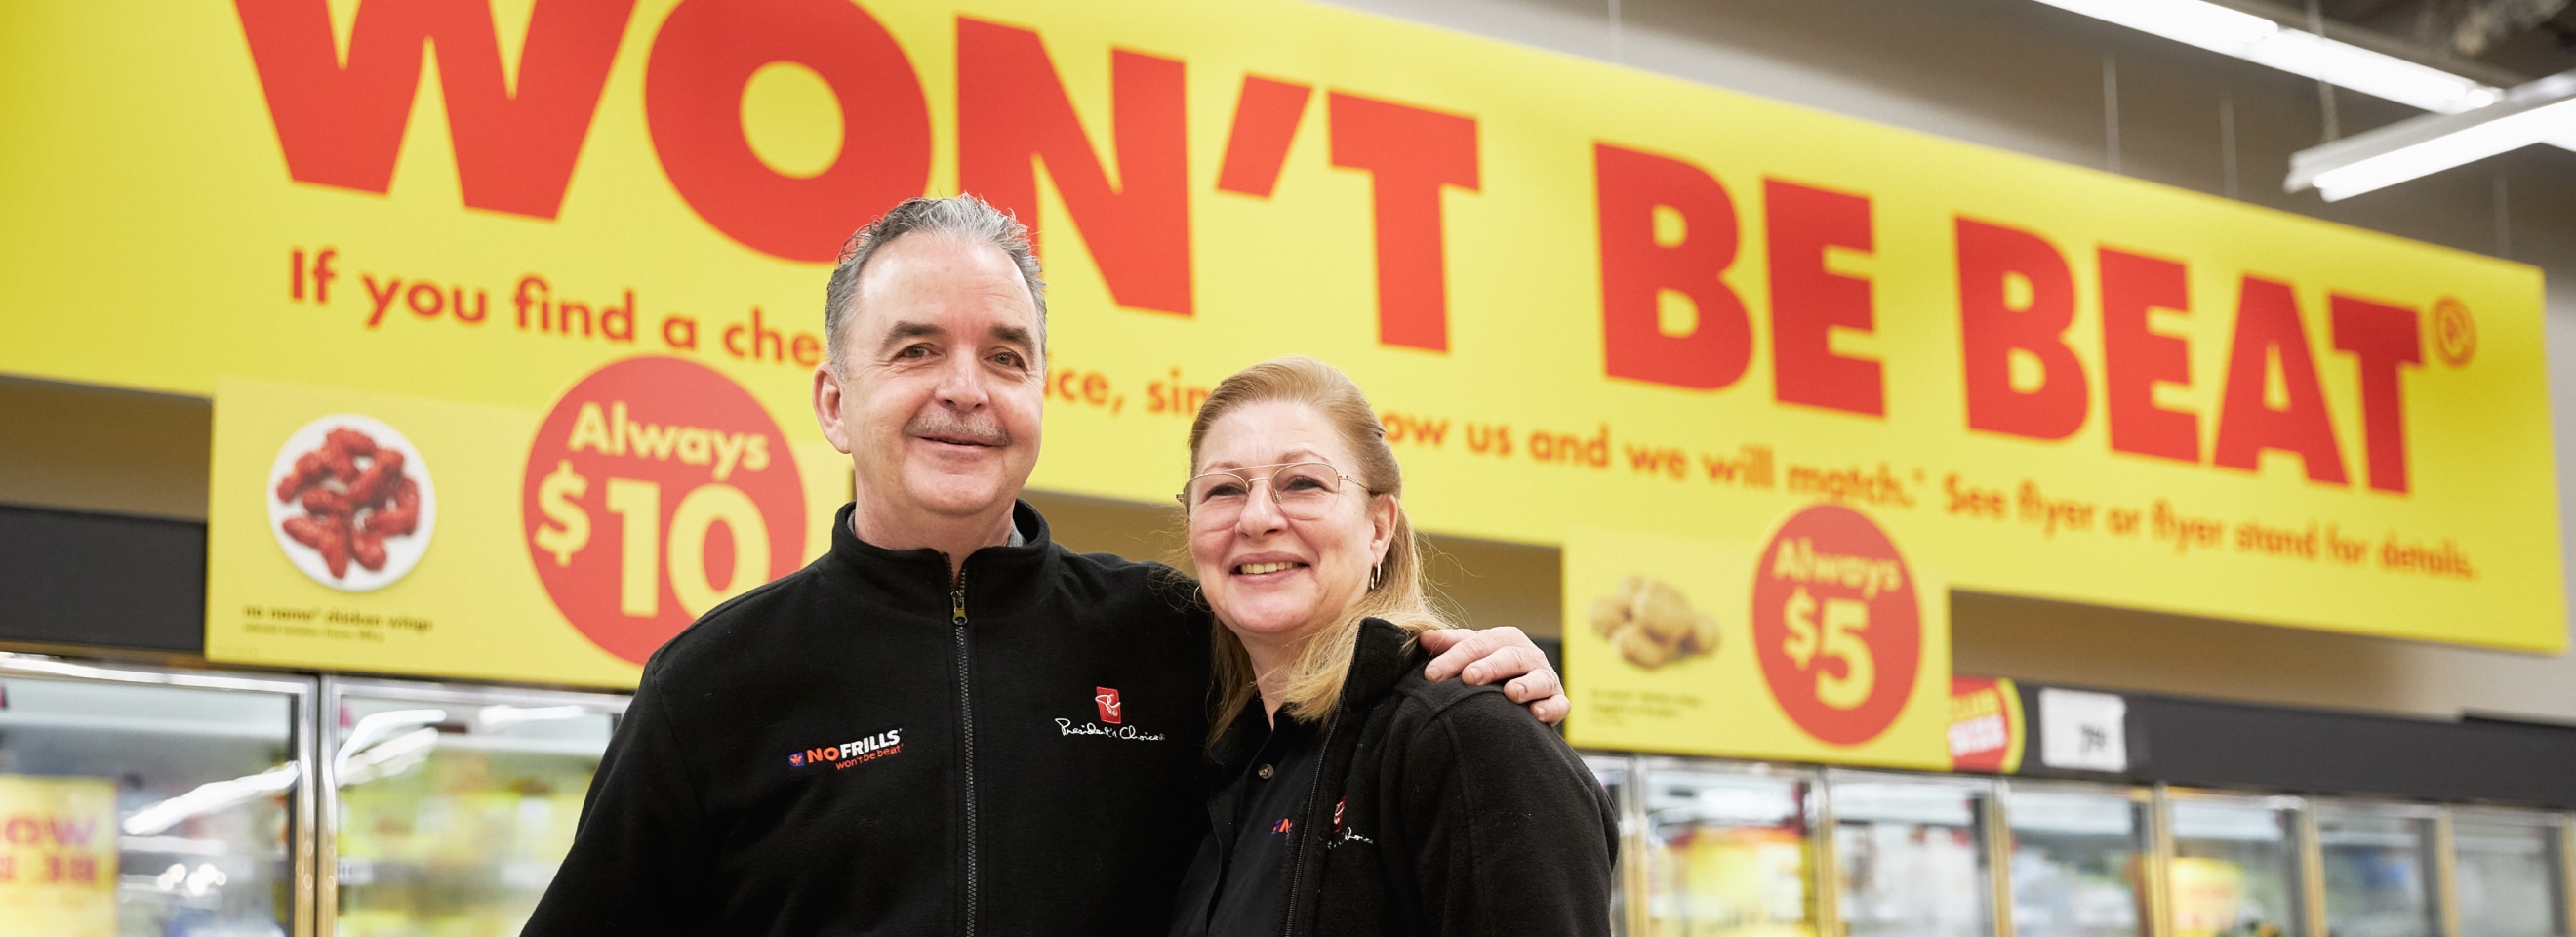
(2470,27)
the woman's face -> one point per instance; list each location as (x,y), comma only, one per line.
(1276,578)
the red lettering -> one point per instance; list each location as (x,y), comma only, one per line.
(2136,357)
(1637,268)
(73,833)
(693,83)
(1265,120)
(1012,112)
(755,340)
(1992,328)
(342,125)
(2383,339)
(2267,327)
(1410,154)
(1809,302)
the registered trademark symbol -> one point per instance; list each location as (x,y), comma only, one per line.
(2455,335)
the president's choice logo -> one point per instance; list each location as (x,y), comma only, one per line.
(846,754)
(1340,833)
(1112,722)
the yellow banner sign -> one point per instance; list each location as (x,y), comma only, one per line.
(57,856)
(355,530)
(1583,296)
(1821,642)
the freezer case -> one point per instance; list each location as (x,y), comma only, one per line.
(2509,873)
(2080,856)
(1911,855)
(2381,866)
(2236,868)
(1729,849)
(449,807)
(139,801)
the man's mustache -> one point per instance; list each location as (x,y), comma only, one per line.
(951,427)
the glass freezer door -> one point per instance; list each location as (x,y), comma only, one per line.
(137,801)
(1910,853)
(450,807)
(2235,869)
(2379,869)
(2078,858)
(1729,850)
(2510,873)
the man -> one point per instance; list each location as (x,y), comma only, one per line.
(948,724)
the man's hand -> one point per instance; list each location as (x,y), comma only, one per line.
(1495,654)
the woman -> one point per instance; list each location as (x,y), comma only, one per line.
(1347,794)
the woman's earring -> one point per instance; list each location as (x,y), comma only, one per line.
(1374,575)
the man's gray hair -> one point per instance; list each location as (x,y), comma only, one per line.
(963,216)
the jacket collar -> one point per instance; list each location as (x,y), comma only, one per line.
(999,579)
(1381,658)
(1385,653)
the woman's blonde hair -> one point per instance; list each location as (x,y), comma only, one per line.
(1397,592)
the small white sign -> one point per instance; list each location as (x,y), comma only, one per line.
(2081,731)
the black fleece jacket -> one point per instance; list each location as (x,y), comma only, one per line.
(1439,809)
(859,748)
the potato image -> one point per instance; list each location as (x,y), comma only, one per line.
(1649,622)
(1704,636)
(1661,610)
(1640,648)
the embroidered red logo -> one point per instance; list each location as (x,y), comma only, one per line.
(1284,825)
(1109,705)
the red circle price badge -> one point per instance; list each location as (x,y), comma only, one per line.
(1836,624)
(657,489)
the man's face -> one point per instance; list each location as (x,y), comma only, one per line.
(938,401)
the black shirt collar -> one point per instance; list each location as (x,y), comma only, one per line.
(997,577)
(1385,653)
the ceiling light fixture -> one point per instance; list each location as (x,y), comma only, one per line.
(2538,112)
(2264,42)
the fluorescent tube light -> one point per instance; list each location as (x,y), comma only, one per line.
(2376,74)
(211,797)
(2541,111)
(504,716)
(2264,42)
(378,731)
(2467,146)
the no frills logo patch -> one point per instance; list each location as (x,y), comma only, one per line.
(656,489)
(1836,625)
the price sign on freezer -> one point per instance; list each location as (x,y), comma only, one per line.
(655,490)
(1836,625)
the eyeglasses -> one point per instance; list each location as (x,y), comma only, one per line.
(1303,490)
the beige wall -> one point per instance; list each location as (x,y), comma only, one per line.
(94,449)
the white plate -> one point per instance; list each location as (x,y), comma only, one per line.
(401,553)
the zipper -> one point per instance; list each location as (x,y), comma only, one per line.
(966,727)
(1314,788)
